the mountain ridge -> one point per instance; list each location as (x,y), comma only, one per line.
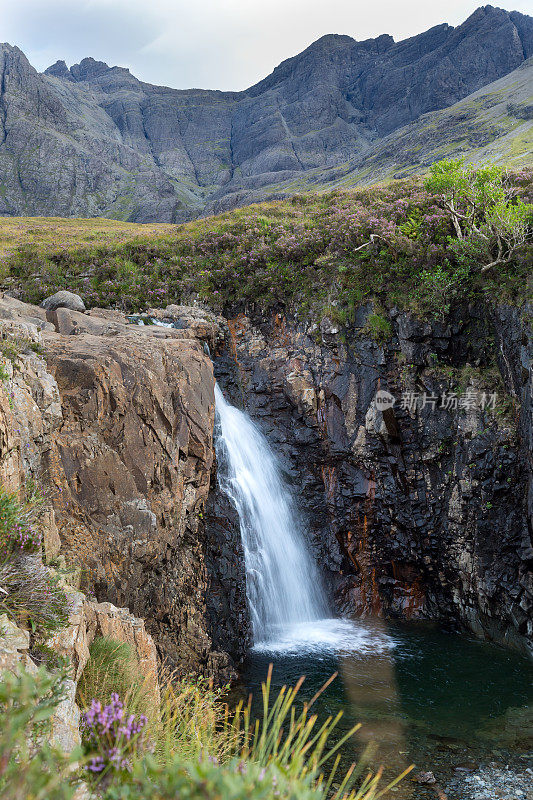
(94,140)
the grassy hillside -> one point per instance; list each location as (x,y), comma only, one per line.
(492,125)
(52,233)
(311,254)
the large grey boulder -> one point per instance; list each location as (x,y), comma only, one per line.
(63,299)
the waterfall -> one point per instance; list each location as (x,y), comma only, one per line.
(282,582)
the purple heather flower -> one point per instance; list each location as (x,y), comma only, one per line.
(106,728)
(96,764)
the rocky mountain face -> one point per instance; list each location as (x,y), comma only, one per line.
(422,509)
(94,140)
(491,125)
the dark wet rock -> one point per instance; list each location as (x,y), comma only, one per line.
(412,512)
(226,599)
(425,778)
(493,782)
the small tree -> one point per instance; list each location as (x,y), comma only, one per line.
(483,207)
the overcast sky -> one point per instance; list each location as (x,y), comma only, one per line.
(214,44)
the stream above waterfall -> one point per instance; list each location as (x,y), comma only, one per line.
(443,701)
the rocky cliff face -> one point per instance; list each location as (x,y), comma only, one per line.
(96,141)
(116,421)
(417,508)
(414,510)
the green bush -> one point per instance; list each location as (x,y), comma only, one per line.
(438,287)
(485,210)
(207,780)
(378,327)
(12,346)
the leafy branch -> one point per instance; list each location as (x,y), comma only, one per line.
(483,207)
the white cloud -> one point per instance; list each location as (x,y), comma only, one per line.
(224,44)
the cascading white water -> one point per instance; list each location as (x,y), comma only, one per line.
(285,595)
(282,582)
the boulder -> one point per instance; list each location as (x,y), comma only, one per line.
(87,620)
(65,722)
(22,318)
(63,299)
(104,619)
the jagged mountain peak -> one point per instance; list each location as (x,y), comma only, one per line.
(59,70)
(12,51)
(93,140)
(88,69)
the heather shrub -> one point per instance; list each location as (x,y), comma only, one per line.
(112,738)
(29,767)
(18,524)
(113,732)
(30,595)
(341,248)
(29,592)
(188,722)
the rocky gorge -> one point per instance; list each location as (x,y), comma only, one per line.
(414,511)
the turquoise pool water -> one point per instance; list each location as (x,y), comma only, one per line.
(443,701)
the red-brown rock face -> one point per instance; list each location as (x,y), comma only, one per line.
(129,459)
